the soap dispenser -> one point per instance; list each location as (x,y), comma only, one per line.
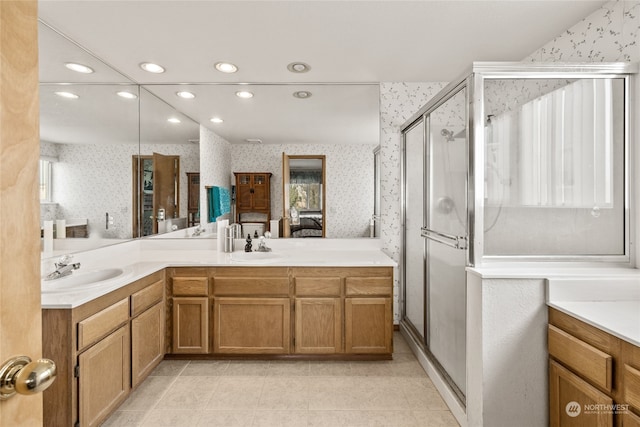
(247,247)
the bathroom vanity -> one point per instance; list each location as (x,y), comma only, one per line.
(594,353)
(199,303)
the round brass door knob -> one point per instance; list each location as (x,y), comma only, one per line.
(21,375)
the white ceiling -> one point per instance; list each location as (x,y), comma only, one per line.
(342,41)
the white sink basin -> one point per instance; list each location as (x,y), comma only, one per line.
(80,280)
(255,257)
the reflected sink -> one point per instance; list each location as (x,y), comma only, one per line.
(81,280)
(255,257)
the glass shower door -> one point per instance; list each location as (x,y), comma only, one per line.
(414,311)
(446,238)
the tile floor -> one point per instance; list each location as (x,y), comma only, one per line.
(180,393)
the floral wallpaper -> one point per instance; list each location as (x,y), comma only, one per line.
(91,180)
(609,34)
(349,180)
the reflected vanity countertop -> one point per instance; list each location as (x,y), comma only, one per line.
(138,259)
(609,303)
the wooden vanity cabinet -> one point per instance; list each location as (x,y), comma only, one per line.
(252,310)
(369,312)
(318,312)
(189,310)
(96,346)
(103,377)
(594,369)
(147,331)
(343,310)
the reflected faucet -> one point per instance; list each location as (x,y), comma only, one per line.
(372,225)
(63,268)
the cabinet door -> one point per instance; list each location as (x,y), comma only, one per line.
(260,192)
(104,377)
(147,342)
(190,325)
(318,325)
(368,325)
(243,191)
(570,398)
(629,419)
(252,325)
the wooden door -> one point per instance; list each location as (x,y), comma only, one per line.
(252,325)
(243,191)
(368,325)
(260,192)
(147,342)
(568,397)
(20,310)
(286,212)
(318,326)
(166,181)
(104,377)
(190,325)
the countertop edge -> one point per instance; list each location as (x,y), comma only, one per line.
(588,320)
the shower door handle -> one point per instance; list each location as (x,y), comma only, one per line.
(456,242)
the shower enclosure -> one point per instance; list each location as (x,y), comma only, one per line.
(511,162)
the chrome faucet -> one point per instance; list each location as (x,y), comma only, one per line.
(198,231)
(237,230)
(63,268)
(262,246)
(231,232)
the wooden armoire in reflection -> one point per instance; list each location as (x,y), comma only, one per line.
(156,195)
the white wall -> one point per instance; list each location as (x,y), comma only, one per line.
(349,181)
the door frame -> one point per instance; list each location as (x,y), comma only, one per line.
(286,175)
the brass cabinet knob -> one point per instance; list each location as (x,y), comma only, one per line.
(21,375)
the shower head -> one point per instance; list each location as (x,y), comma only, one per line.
(448,134)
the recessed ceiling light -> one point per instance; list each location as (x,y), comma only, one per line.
(254,140)
(226,67)
(186,95)
(68,95)
(152,68)
(216,120)
(302,94)
(127,95)
(244,94)
(79,68)
(298,67)
(173,120)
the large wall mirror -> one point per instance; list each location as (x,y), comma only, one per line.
(96,130)
(100,147)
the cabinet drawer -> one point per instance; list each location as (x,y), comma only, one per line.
(318,286)
(631,386)
(146,297)
(369,286)
(190,286)
(245,286)
(581,357)
(102,323)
